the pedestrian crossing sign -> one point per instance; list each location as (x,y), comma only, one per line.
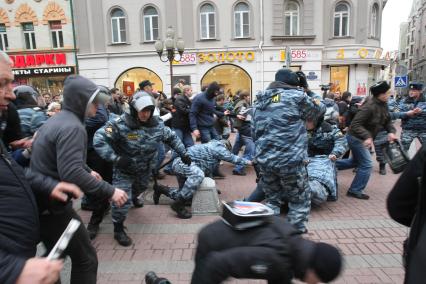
(401,81)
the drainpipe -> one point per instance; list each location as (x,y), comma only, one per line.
(74,38)
(262,58)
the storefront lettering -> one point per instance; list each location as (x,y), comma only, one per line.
(364,53)
(221,57)
(32,60)
(340,54)
(42,71)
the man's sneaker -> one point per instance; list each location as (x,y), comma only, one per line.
(358,195)
(179,207)
(93,230)
(237,173)
(120,235)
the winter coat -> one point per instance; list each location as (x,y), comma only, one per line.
(180,118)
(202,112)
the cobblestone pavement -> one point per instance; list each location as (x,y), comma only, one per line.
(369,240)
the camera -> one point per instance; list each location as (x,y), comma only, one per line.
(152,278)
(325,87)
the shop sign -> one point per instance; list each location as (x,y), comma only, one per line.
(300,55)
(221,57)
(365,53)
(187,59)
(66,70)
(312,76)
(34,60)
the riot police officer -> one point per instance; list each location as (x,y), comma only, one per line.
(130,142)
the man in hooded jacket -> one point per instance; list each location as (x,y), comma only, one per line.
(280,137)
(59,151)
(130,142)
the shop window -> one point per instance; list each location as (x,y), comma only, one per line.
(118,26)
(339,78)
(207,21)
(129,80)
(150,21)
(341,20)
(4,44)
(374,21)
(57,35)
(291,19)
(29,36)
(230,77)
(242,20)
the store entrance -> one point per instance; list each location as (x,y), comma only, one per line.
(230,77)
(128,81)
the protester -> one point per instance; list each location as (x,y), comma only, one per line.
(115,105)
(370,119)
(280,137)
(274,252)
(203,112)
(180,120)
(221,124)
(59,151)
(47,98)
(407,205)
(130,142)
(53,108)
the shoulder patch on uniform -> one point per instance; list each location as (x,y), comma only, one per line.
(108,130)
(132,136)
(317,101)
(276,98)
(340,134)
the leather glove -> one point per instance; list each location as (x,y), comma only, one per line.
(302,79)
(186,159)
(123,162)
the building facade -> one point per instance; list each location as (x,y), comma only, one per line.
(240,44)
(38,36)
(415,47)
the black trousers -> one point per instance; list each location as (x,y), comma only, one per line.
(83,255)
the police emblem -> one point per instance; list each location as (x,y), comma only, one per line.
(132,136)
(108,130)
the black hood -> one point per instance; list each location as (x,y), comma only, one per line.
(78,92)
(25,100)
(281,85)
(212,89)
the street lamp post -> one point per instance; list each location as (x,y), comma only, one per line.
(172,45)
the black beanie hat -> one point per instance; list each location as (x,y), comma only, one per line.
(379,88)
(287,76)
(326,262)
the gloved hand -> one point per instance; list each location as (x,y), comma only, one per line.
(123,162)
(302,79)
(186,159)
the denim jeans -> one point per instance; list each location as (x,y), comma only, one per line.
(208,133)
(186,138)
(361,159)
(248,151)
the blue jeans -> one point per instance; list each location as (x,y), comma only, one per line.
(361,159)
(208,133)
(185,136)
(248,151)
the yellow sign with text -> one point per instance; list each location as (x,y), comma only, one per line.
(221,57)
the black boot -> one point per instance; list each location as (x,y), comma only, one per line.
(382,169)
(179,207)
(158,190)
(121,236)
(96,219)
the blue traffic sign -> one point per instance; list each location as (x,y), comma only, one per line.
(401,81)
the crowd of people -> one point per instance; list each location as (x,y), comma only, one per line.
(95,141)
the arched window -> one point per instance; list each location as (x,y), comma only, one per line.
(118,26)
(291,18)
(150,21)
(341,20)
(207,21)
(242,20)
(374,25)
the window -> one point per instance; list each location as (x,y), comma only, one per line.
(56,32)
(341,20)
(29,35)
(150,21)
(291,20)
(4,44)
(207,21)
(374,21)
(242,20)
(118,26)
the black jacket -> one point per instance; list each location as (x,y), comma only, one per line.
(115,107)
(60,147)
(12,132)
(274,252)
(372,117)
(407,206)
(180,118)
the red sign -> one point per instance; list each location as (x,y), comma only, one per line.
(128,88)
(34,60)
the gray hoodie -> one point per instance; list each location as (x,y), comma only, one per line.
(59,149)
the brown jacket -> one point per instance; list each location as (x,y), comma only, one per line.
(371,119)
